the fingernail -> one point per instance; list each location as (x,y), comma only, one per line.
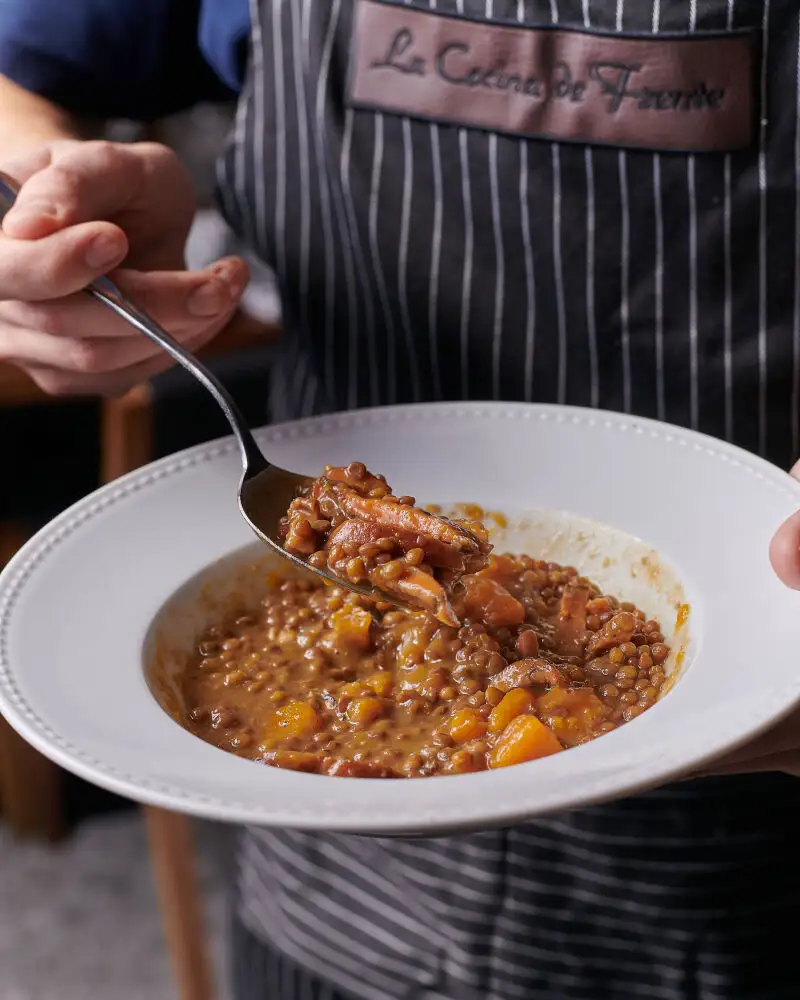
(206,300)
(232,276)
(102,252)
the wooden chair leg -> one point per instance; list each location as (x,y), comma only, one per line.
(127,445)
(30,785)
(127,433)
(171,850)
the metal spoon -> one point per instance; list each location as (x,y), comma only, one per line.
(265,491)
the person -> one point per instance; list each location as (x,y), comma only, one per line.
(585,203)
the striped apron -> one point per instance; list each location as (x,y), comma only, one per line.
(426,257)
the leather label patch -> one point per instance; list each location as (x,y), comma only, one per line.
(681,93)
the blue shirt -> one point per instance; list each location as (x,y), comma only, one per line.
(137,59)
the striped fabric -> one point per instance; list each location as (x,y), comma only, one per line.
(261,973)
(422,262)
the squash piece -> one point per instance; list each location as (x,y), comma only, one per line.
(516,702)
(466,725)
(464,762)
(381,683)
(351,626)
(488,601)
(361,711)
(572,714)
(298,718)
(524,738)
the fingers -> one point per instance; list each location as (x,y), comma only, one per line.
(783,738)
(58,265)
(784,552)
(53,243)
(787,762)
(108,356)
(171,296)
(98,355)
(779,748)
(83,209)
(79,362)
(142,188)
(88,181)
(776,750)
(57,382)
(179,300)
(33,160)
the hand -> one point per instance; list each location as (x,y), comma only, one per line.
(84,209)
(778,749)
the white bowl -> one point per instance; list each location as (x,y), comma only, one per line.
(135,570)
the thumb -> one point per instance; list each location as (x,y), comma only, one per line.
(30,218)
(83,183)
(784,552)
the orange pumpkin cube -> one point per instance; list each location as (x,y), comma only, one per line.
(381,683)
(351,626)
(466,725)
(524,738)
(515,702)
(361,711)
(298,718)
(573,715)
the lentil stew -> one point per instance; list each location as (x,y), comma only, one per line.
(321,680)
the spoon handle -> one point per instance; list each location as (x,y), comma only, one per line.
(105,291)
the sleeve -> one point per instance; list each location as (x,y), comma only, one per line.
(135,59)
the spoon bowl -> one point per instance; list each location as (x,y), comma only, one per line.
(264,499)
